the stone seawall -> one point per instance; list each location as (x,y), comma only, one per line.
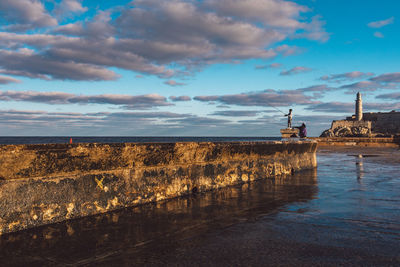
(358,141)
(43,184)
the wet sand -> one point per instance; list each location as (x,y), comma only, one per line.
(344,213)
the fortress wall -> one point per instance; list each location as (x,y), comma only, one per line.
(44,184)
(346,123)
(384,122)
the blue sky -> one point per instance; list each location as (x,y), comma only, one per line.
(184,68)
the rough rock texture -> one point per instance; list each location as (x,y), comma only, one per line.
(42,184)
(346,132)
(348,128)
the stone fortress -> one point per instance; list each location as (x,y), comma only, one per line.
(371,124)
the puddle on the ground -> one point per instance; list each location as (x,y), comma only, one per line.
(154,228)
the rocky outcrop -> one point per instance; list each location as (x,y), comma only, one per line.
(348,128)
(346,131)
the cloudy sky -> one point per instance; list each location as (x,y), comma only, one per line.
(193,67)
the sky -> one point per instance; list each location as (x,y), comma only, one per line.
(194,67)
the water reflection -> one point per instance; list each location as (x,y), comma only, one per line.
(138,232)
(360,168)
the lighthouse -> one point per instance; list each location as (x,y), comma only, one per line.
(359,111)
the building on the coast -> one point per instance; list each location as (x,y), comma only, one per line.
(365,124)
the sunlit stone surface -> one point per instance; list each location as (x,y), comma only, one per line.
(345,213)
(42,184)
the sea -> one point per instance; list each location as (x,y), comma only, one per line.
(8,140)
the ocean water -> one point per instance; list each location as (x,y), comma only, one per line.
(124,139)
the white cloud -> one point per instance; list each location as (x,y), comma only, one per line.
(275,13)
(28,123)
(127,101)
(314,30)
(348,108)
(6,80)
(269,66)
(317,91)
(295,70)
(392,96)
(173,83)
(347,76)
(363,85)
(69,7)
(25,122)
(18,63)
(378,35)
(162,38)
(393,77)
(70,29)
(266,98)
(180,98)
(381,23)
(236,113)
(25,14)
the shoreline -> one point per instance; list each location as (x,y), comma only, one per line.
(393,142)
(343,213)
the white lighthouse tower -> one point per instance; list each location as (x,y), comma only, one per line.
(359,111)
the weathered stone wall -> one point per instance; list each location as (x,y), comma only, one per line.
(358,141)
(385,123)
(43,184)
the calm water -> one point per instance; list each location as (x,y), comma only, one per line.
(344,213)
(122,139)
